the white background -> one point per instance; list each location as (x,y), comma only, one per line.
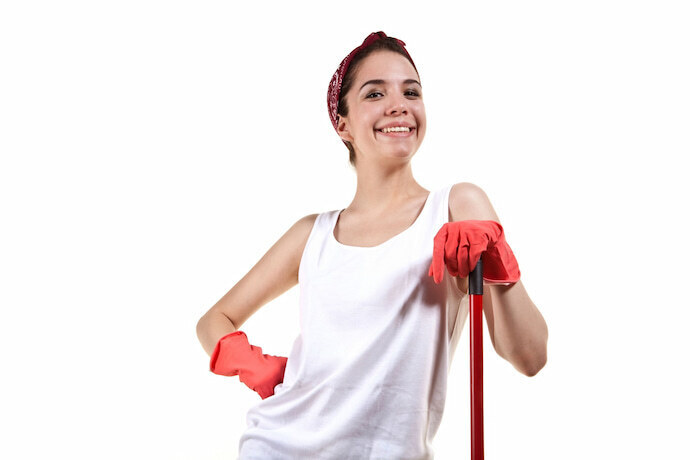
(152,151)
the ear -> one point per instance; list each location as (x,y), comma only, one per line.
(344,129)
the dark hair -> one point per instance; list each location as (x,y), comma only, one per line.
(388,44)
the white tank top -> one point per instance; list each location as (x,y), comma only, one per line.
(366,377)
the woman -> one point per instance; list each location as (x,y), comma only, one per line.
(366,377)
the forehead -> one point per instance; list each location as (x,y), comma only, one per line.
(385,65)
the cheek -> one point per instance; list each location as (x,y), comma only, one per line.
(421,119)
(366,121)
(420,112)
(421,122)
(421,132)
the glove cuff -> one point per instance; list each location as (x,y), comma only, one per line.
(500,265)
(232,340)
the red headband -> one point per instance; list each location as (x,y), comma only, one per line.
(337,80)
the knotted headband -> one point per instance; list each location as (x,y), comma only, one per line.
(337,80)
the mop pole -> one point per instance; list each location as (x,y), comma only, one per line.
(476,291)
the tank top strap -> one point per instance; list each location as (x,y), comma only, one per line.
(436,214)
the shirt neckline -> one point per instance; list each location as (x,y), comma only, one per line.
(394,237)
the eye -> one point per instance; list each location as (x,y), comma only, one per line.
(411,92)
(373,93)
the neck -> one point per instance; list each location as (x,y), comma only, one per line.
(382,190)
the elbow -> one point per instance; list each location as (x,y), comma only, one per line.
(532,370)
(532,366)
(199,328)
(214,325)
(202,326)
(535,361)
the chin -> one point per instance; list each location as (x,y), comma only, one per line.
(407,155)
(402,152)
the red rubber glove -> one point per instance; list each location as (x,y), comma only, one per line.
(460,244)
(234,355)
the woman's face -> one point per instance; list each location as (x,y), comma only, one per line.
(385,94)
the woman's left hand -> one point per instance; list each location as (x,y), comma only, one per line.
(459,245)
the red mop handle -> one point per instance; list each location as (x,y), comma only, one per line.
(476,291)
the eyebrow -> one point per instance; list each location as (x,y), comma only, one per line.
(381,82)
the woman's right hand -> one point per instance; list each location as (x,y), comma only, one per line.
(234,355)
(459,245)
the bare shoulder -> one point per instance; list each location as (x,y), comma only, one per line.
(469,201)
(306,223)
(303,228)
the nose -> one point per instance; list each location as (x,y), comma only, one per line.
(398,106)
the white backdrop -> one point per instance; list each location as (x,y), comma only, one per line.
(152,151)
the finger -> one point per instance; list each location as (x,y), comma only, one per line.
(477,247)
(437,256)
(451,249)
(463,258)
(473,257)
(433,273)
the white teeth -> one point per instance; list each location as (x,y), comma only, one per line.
(396,129)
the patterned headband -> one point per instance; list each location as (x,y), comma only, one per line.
(337,80)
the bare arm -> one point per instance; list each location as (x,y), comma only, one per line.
(276,272)
(518,331)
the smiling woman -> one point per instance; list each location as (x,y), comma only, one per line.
(382,289)
(344,79)
(375,104)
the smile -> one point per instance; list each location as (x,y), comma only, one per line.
(396,131)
